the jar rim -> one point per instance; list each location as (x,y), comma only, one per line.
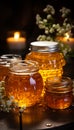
(6,59)
(24,67)
(63,85)
(9,56)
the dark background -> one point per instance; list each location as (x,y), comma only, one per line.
(21,15)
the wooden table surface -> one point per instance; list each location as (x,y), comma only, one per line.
(38,118)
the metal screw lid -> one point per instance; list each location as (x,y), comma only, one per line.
(44,46)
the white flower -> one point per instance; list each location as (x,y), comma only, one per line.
(64,11)
(49,9)
(44,20)
(41,38)
(51,30)
(49,16)
(52,27)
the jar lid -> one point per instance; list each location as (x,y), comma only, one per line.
(44,46)
(59,85)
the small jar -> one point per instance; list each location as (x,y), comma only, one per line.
(24,82)
(50,59)
(58,92)
(5,61)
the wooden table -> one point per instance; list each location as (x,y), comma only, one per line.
(38,118)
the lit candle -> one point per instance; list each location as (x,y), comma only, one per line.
(66,39)
(16,41)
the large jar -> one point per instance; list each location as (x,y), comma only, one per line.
(5,61)
(58,92)
(50,59)
(24,82)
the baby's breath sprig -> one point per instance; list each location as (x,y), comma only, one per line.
(52,28)
(7,103)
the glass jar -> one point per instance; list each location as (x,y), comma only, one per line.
(24,82)
(5,61)
(58,92)
(50,60)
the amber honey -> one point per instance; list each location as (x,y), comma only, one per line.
(4,68)
(3,71)
(5,61)
(58,93)
(25,83)
(50,60)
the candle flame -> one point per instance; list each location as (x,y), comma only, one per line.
(67,36)
(16,35)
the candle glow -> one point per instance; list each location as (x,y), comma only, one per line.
(16,41)
(66,39)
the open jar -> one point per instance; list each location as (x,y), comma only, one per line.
(5,61)
(24,82)
(58,92)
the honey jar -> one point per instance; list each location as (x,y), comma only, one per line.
(24,82)
(50,59)
(5,61)
(58,92)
